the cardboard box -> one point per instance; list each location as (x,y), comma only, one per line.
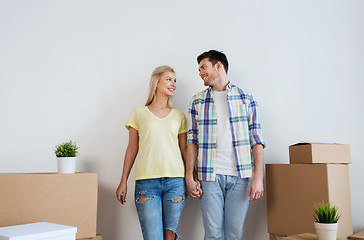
(98,237)
(305,236)
(38,231)
(67,199)
(319,153)
(293,189)
(357,236)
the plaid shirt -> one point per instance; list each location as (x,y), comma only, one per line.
(245,129)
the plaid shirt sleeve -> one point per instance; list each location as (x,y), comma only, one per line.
(192,134)
(255,130)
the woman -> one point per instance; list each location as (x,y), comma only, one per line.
(157,133)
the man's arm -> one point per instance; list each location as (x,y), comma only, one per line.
(256,188)
(192,184)
(182,143)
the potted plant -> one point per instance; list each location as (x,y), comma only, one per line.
(66,157)
(326,218)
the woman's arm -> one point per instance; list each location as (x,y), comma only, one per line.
(182,142)
(129,159)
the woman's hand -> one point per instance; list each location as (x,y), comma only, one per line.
(121,193)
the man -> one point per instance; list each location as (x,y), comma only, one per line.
(225,138)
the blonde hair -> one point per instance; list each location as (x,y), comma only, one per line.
(154,79)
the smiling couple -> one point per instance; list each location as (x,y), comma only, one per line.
(223,135)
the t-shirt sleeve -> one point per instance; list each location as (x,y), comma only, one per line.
(184,126)
(133,121)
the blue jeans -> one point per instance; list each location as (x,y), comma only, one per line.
(224,205)
(159,203)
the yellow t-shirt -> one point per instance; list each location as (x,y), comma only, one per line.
(159,154)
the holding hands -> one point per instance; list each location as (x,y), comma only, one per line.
(193,186)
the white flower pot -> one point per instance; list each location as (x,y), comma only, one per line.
(66,164)
(326,231)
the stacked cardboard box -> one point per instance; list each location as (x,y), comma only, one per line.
(319,153)
(318,172)
(67,199)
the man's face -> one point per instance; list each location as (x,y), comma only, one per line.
(208,72)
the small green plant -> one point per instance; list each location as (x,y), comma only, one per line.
(325,213)
(68,149)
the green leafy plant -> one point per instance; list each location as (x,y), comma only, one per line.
(68,149)
(325,213)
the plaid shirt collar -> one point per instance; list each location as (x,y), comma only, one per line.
(228,87)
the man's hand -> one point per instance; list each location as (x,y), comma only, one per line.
(256,188)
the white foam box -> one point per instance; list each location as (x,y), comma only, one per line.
(38,231)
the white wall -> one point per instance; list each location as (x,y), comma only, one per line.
(75,69)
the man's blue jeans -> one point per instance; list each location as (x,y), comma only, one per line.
(224,205)
(159,204)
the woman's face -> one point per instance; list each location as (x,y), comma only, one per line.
(166,84)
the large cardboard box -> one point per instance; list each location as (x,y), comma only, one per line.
(357,236)
(293,189)
(319,153)
(67,199)
(38,231)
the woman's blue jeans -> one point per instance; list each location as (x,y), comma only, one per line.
(159,204)
(224,205)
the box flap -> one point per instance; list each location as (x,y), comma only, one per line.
(98,237)
(314,143)
(275,237)
(304,236)
(357,236)
(300,144)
